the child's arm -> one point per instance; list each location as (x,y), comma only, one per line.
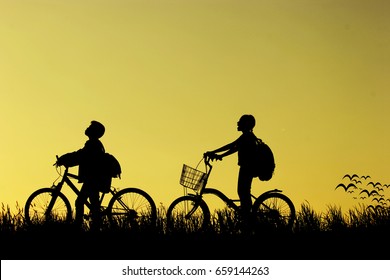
(229,148)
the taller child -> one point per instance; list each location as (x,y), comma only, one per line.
(245,146)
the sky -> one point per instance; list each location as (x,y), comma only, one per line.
(169,79)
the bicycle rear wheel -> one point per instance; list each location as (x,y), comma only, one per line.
(274,209)
(131,208)
(47,205)
(188,214)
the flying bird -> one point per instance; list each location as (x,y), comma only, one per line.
(365,177)
(346,187)
(356,181)
(375,208)
(378,199)
(374,192)
(350,176)
(374,184)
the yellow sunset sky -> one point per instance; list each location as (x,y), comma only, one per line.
(169,79)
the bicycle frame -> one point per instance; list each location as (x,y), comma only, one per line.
(231,203)
(66,179)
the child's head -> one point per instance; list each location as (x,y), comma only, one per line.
(246,123)
(95,130)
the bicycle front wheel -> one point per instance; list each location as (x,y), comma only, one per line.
(131,208)
(274,209)
(188,214)
(47,205)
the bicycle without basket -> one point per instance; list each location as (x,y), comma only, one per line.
(127,207)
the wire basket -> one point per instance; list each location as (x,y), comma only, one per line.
(192,178)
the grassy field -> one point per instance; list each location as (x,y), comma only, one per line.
(361,233)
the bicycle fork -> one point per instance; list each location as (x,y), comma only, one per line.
(57,190)
(195,206)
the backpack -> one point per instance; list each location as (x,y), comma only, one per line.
(264,161)
(111,168)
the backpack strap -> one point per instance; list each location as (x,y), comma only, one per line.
(259,141)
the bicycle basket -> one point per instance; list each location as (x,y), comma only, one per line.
(192,178)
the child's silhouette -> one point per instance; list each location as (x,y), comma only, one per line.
(89,159)
(245,146)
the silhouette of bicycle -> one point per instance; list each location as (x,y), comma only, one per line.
(127,207)
(191,211)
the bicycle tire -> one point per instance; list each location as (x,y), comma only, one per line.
(275,209)
(178,210)
(35,210)
(130,208)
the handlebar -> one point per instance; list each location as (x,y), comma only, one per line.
(57,165)
(207,159)
(57,157)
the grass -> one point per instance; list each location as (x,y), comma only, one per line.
(11,222)
(225,222)
(330,234)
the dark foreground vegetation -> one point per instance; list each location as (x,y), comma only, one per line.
(361,233)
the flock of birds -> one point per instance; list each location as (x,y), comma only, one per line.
(363,188)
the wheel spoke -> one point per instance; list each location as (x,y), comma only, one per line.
(40,208)
(132,207)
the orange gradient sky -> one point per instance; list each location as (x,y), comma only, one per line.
(170,78)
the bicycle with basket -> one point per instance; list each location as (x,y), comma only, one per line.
(192,211)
